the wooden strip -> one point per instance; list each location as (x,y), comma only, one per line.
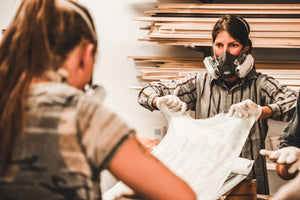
(226,11)
(257,42)
(231,6)
(255,26)
(175,59)
(292,41)
(207,34)
(213,20)
(165,33)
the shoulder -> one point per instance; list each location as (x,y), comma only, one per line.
(94,115)
(266,79)
(199,76)
(55,94)
(90,102)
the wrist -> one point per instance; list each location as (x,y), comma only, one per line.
(154,102)
(266,112)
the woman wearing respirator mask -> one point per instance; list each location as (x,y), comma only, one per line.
(232,85)
(55,139)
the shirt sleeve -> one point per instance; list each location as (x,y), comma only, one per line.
(101,131)
(281,99)
(184,88)
(291,134)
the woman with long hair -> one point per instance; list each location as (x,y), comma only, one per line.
(55,138)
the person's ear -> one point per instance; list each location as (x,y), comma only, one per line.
(88,57)
(246,49)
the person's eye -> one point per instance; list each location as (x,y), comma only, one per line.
(234,45)
(219,45)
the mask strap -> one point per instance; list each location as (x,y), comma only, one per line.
(215,56)
(242,52)
(78,10)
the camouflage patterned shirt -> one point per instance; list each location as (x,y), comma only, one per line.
(70,137)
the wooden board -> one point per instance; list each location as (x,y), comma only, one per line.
(246,190)
(228,6)
(214,8)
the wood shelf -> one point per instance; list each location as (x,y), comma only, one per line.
(162,69)
(190,25)
(192,32)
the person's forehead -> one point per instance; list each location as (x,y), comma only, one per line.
(225,37)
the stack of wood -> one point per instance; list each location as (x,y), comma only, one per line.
(200,9)
(272,25)
(162,69)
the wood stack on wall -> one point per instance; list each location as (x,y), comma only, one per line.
(190,25)
(162,69)
(214,9)
(272,25)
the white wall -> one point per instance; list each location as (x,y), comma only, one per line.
(118,34)
(7,11)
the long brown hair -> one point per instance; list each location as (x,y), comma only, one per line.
(38,39)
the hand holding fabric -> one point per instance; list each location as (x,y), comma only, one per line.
(286,155)
(245,109)
(172,102)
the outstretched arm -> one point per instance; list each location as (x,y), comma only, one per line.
(184,89)
(287,155)
(287,160)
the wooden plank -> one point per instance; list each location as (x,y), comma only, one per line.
(231,6)
(255,26)
(214,20)
(225,11)
(282,64)
(174,33)
(207,34)
(257,42)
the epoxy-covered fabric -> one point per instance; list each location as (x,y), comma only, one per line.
(202,152)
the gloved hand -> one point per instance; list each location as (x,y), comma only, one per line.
(245,109)
(286,155)
(172,102)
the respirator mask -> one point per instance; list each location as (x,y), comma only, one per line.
(228,65)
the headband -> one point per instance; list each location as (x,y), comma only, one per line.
(78,10)
(245,24)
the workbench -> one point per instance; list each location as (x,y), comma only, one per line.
(246,190)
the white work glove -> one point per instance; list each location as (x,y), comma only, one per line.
(245,109)
(172,102)
(286,155)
